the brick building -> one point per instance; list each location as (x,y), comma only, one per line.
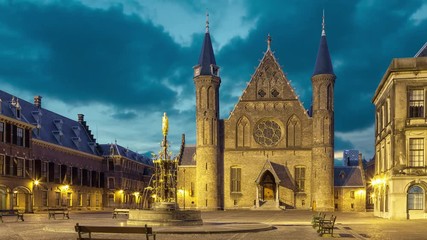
(48,160)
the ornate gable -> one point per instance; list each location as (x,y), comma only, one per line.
(268,82)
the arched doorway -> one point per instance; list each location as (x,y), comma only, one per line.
(4,197)
(268,186)
(21,199)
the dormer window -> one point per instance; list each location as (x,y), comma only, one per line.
(214,70)
(342,175)
(58,124)
(18,113)
(197,70)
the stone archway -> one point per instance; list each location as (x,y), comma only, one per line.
(22,198)
(268,186)
(4,197)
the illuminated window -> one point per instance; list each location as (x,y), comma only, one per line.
(416,152)
(415,198)
(416,103)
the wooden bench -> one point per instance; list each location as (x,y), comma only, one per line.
(64,211)
(148,231)
(118,211)
(317,218)
(12,212)
(327,226)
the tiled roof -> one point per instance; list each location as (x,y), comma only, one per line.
(125,152)
(207,56)
(348,177)
(323,61)
(53,128)
(188,155)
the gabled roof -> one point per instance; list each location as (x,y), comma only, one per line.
(188,155)
(52,127)
(348,177)
(281,174)
(269,73)
(106,150)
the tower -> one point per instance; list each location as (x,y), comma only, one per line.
(207,82)
(323,80)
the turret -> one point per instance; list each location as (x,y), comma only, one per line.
(207,82)
(323,80)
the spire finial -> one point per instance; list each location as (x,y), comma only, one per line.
(207,22)
(323,23)
(268,41)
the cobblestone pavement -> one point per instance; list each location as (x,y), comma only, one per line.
(289,224)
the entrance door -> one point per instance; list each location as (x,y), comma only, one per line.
(269,186)
(268,191)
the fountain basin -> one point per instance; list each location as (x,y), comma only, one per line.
(163,217)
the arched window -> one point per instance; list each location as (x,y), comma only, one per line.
(293,130)
(243,132)
(415,198)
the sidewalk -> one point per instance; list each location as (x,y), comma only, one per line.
(232,225)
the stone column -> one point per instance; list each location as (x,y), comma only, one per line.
(277,196)
(257,196)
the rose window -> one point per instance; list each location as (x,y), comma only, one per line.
(267,133)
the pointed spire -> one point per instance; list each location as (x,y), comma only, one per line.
(323,61)
(207,63)
(268,42)
(323,23)
(207,22)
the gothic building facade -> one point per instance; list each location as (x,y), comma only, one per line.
(270,152)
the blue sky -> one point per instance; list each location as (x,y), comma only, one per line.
(124,63)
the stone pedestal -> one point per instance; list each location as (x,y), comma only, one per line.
(163,217)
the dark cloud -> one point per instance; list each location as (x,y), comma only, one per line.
(84,55)
(363,37)
(124,115)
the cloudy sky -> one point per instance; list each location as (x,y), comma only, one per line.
(124,63)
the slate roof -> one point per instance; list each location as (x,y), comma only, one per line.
(323,61)
(53,128)
(422,52)
(207,56)
(188,155)
(283,174)
(348,177)
(125,152)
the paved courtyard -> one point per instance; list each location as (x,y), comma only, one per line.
(289,224)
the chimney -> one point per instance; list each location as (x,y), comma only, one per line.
(81,118)
(360,161)
(38,101)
